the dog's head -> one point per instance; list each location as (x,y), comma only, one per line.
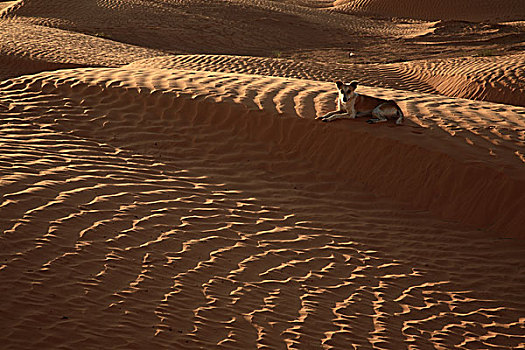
(346,89)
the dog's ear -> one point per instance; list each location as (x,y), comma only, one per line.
(354,83)
(339,84)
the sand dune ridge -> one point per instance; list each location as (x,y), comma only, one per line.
(494,79)
(302,100)
(483,10)
(126,198)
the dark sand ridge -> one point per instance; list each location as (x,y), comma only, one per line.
(28,48)
(136,215)
(480,10)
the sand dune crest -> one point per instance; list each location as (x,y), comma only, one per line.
(494,79)
(475,132)
(168,221)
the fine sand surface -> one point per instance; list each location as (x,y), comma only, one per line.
(163,190)
(495,79)
(480,10)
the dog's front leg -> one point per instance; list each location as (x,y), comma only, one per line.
(337,115)
(329,115)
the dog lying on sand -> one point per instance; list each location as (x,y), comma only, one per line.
(351,105)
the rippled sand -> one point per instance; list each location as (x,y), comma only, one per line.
(192,201)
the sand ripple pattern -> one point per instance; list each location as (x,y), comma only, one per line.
(494,79)
(151,216)
(99,33)
(250,27)
(483,142)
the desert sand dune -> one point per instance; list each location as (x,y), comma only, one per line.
(27,48)
(140,212)
(494,79)
(100,34)
(213,26)
(481,10)
(13,65)
(483,142)
(164,184)
(175,25)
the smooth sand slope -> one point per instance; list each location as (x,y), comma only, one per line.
(28,48)
(164,208)
(161,190)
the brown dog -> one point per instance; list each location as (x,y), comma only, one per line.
(351,105)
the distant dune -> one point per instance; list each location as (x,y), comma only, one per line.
(481,10)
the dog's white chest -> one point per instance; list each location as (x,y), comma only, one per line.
(350,104)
